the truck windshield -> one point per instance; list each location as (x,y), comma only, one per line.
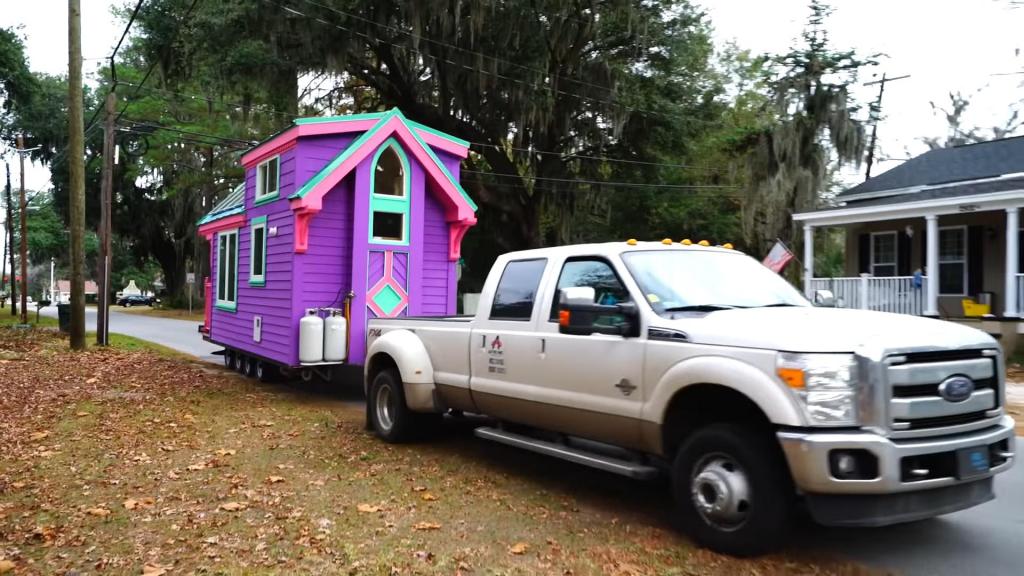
(704,281)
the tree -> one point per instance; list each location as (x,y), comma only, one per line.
(815,127)
(959,134)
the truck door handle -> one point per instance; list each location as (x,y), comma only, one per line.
(483,340)
(543,345)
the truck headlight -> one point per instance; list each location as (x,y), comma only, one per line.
(824,383)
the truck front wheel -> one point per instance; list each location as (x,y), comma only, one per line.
(731,490)
(389,416)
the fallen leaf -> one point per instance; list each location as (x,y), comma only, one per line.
(316,482)
(81,414)
(36,436)
(189,418)
(426,526)
(6,566)
(518,548)
(427,496)
(265,423)
(419,488)
(233,506)
(92,380)
(200,466)
(225,452)
(153,570)
(172,474)
(98,511)
(275,479)
(132,504)
(368,508)
(18,485)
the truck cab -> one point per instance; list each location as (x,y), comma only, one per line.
(696,362)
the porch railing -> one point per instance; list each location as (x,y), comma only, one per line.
(899,294)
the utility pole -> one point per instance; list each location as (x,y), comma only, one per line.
(876,117)
(10,240)
(76,168)
(103,306)
(24,235)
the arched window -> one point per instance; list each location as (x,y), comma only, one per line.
(389,201)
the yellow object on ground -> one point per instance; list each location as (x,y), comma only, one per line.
(972,308)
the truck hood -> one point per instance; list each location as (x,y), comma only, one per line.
(809,329)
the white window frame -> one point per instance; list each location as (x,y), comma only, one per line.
(895,252)
(963,260)
(222,301)
(258,279)
(263,191)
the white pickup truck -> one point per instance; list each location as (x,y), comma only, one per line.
(698,362)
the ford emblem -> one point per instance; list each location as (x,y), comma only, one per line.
(956,388)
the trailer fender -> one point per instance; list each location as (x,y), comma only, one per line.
(408,354)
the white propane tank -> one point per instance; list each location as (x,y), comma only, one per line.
(334,337)
(311,337)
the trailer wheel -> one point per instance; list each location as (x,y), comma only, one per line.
(389,416)
(242,365)
(732,491)
(265,371)
(228,359)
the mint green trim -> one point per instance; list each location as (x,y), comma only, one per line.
(256,224)
(227,305)
(388,203)
(256,198)
(212,217)
(438,133)
(441,165)
(323,119)
(352,148)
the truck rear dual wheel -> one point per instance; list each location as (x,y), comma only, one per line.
(732,491)
(389,417)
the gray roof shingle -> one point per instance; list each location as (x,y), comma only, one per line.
(944,165)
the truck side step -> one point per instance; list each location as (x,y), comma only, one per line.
(599,461)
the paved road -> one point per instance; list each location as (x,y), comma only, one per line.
(987,540)
(181,335)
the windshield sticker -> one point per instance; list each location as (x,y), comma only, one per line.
(496,360)
(653,298)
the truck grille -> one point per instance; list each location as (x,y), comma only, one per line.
(915,403)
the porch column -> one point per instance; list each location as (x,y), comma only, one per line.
(931,302)
(1012,251)
(808,260)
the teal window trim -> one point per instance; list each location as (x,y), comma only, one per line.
(255,224)
(222,267)
(271,196)
(388,203)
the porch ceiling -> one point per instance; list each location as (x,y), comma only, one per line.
(949,199)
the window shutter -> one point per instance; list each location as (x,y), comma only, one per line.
(975,260)
(864,253)
(902,254)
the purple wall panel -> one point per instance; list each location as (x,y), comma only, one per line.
(315,152)
(375,268)
(435,282)
(400,269)
(273,301)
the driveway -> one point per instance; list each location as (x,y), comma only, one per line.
(180,335)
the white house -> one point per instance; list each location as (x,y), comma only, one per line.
(925,236)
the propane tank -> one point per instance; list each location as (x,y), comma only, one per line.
(334,337)
(311,337)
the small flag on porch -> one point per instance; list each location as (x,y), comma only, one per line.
(778,257)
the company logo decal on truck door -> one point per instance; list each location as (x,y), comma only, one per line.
(496,360)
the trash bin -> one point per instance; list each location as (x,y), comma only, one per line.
(64,317)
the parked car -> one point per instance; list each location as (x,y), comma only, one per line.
(699,363)
(137,300)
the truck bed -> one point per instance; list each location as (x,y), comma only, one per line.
(446,339)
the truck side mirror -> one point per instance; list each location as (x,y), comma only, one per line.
(580,316)
(824,299)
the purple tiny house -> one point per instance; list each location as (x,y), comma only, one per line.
(362,213)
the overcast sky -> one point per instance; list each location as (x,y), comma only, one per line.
(945,45)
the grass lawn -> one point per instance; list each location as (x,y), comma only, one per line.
(174,313)
(114,460)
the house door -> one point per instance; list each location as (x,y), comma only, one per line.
(387,284)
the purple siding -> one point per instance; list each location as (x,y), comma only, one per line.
(339,257)
(272,301)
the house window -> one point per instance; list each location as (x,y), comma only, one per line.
(953,261)
(227,270)
(258,251)
(883,254)
(268,179)
(389,202)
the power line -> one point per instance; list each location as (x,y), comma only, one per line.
(704,193)
(467,67)
(131,20)
(136,123)
(418,37)
(608,182)
(193,96)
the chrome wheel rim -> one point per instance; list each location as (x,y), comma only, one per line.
(720,491)
(385,412)
(227,359)
(259,370)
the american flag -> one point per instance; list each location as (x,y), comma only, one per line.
(778,257)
